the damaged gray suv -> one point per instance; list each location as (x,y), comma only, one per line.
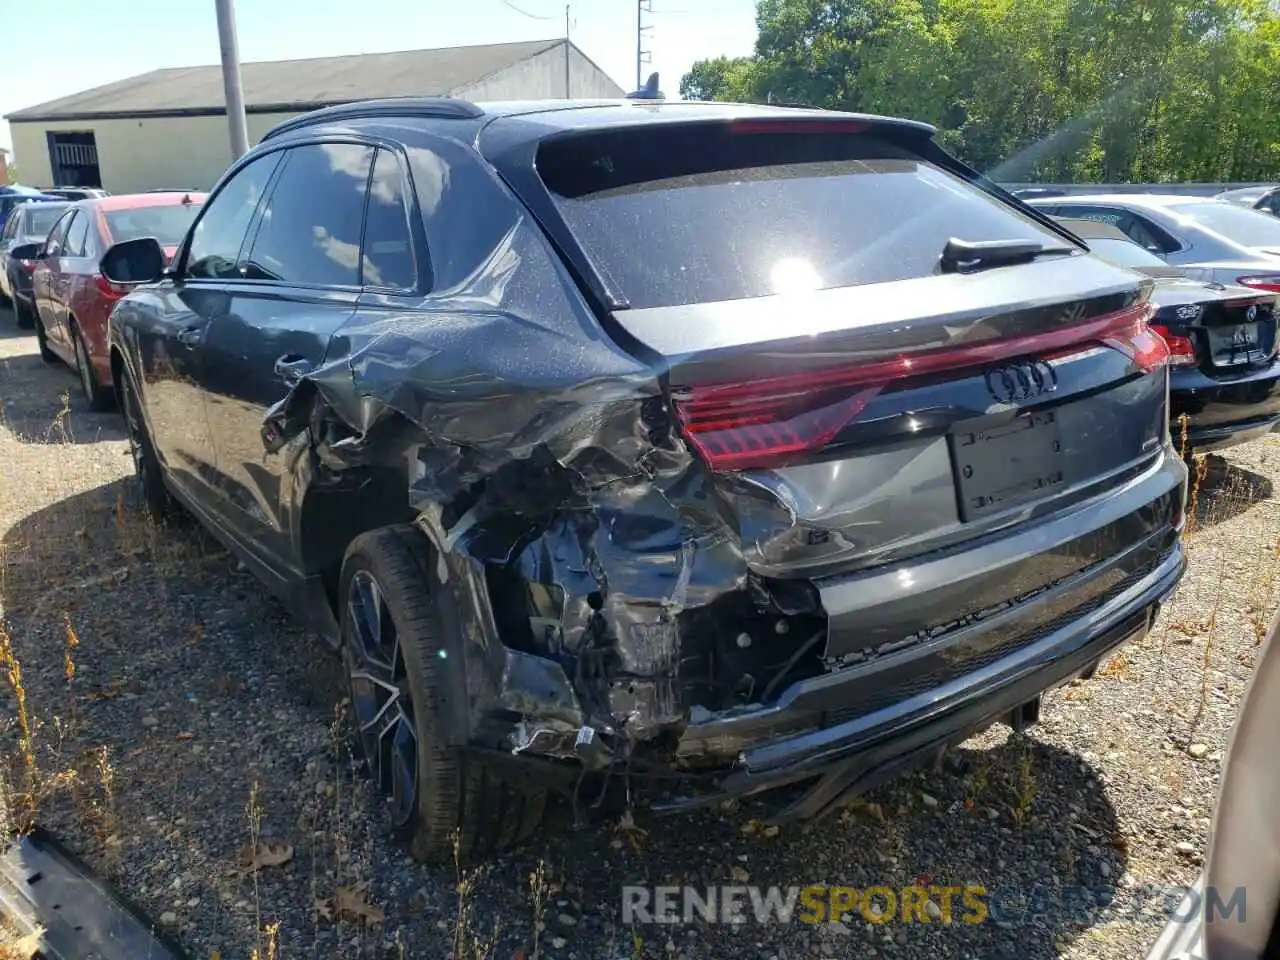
(671,451)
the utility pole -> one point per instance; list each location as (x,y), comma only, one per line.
(643,56)
(231,78)
(568,95)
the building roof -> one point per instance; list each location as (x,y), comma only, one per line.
(287,85)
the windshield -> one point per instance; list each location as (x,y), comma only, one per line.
(38,218)
(1241,225)
(1123,253)
(700,213)
(168,224)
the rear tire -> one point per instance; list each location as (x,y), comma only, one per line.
(42,341)
(22,313)
(155,495)
(99,400)
(401,668)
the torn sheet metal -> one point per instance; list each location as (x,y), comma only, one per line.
(480,377)
(539,455)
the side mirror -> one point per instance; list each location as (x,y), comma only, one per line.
(134,261)
(26,251)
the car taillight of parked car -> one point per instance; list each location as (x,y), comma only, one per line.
(108,289)
(1269,282)
(771,421)
(27,265)
(1182,352)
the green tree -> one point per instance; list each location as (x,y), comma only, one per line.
(1035,89)
(724,78)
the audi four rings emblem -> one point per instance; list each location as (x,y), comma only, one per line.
(1023,380)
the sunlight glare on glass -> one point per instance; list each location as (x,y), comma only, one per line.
(794,275)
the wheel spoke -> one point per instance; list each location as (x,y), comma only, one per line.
(369,617)
(381,702)
(386,717)
(404,770)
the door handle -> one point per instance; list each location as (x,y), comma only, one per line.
(190,336)
(291,368)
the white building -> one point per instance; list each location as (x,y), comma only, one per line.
(168,128)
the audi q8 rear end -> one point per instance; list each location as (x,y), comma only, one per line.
(927,427)
(745,446)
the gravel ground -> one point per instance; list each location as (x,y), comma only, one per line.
(199,716)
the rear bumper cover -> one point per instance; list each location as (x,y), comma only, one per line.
(1222,413)
(862,723)
(871,747)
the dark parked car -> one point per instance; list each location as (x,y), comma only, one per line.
(12,196)
(684,450)
(1223,368)
(29,223)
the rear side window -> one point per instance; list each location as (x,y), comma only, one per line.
(700,213)
(310,229)
(1139,229)
(1124,253)
(77,235)
(53,243)
(38,218)
(388,249)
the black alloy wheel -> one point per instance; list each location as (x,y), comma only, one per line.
(155,496)
(403,674)
(381,702)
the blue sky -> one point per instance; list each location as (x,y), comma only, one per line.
(83,46)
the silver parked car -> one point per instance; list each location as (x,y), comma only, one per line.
(1232,912)
(1213,239)
(1266,199)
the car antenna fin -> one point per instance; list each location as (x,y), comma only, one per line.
(649,91)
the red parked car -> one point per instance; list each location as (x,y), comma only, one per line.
(72,297)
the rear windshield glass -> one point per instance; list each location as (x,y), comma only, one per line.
(38,219)
(168,224)
(1249,228)
(1124,253)
(700,213)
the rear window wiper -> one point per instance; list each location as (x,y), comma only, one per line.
(959,256)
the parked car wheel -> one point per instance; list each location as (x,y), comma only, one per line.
(399,667)
(155,496)
(99,399)
(23,314)
(42,341)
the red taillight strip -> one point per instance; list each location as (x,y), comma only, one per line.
(934,360)
(1268,282)
(768,421)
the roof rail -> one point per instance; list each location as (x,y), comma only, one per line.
(442,108)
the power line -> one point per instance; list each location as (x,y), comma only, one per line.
(525,13)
